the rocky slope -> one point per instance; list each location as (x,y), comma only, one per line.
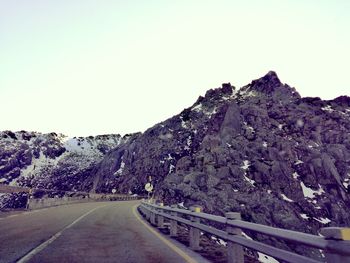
(264,151)
(50,161)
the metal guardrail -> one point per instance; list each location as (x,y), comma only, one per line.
(112,197)
(334,242)
(46,201)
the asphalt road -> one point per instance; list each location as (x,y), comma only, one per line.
(87,232)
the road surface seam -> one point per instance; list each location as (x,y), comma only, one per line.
(186,257)
(43,245)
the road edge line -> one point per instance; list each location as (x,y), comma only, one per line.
(181,253)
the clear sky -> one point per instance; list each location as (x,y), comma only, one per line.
(88,67)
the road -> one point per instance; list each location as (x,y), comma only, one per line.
(86,232)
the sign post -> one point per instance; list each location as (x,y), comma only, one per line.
(149,189)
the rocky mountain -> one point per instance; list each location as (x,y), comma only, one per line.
(263,150)
(50,161)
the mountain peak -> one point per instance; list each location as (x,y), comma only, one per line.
(267,83)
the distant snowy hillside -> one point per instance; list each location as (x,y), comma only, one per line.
(52,161)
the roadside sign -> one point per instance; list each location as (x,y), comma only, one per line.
(149,187)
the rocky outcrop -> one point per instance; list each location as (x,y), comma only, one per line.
(264,151)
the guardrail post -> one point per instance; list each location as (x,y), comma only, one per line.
(194,232)
(234,251)
(336,234)
(160,219)
(173,224)
(146,212)
(153,216)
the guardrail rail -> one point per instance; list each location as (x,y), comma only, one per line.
(334,240)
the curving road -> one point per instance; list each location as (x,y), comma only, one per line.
(87,232)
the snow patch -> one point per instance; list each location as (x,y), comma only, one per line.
(188,143)
(183,123)
(328,108)
(232,96)
(245,165)
(251,181)
(247,93)
(121,169)
(248,127)
(222,242)
(322,220)
(210,113)
(197,108)
(171,168)
(309,193)
(304,216)
(266,259)
(181,205)
(284,197)
(298,162)
(169,157)
(246,236)
(295,175)
(35,165)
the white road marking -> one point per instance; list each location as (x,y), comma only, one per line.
(43,245)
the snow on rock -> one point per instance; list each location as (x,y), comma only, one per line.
(245,165)
(169,157)
(251,181)
(183,123)
(210,113)
(304,216)
(181,205)
(197,108)
(296,175)
(328,108)
(121,169)
(266,259)
(247,93)
(47,155)
(188,143)
(284,197)
(246,236)
(36,165)
(298,162)
(171,168)
(323,220)
(309,193)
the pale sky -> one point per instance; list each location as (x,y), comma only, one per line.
(88,67)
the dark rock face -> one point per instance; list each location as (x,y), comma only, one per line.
(264,151)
